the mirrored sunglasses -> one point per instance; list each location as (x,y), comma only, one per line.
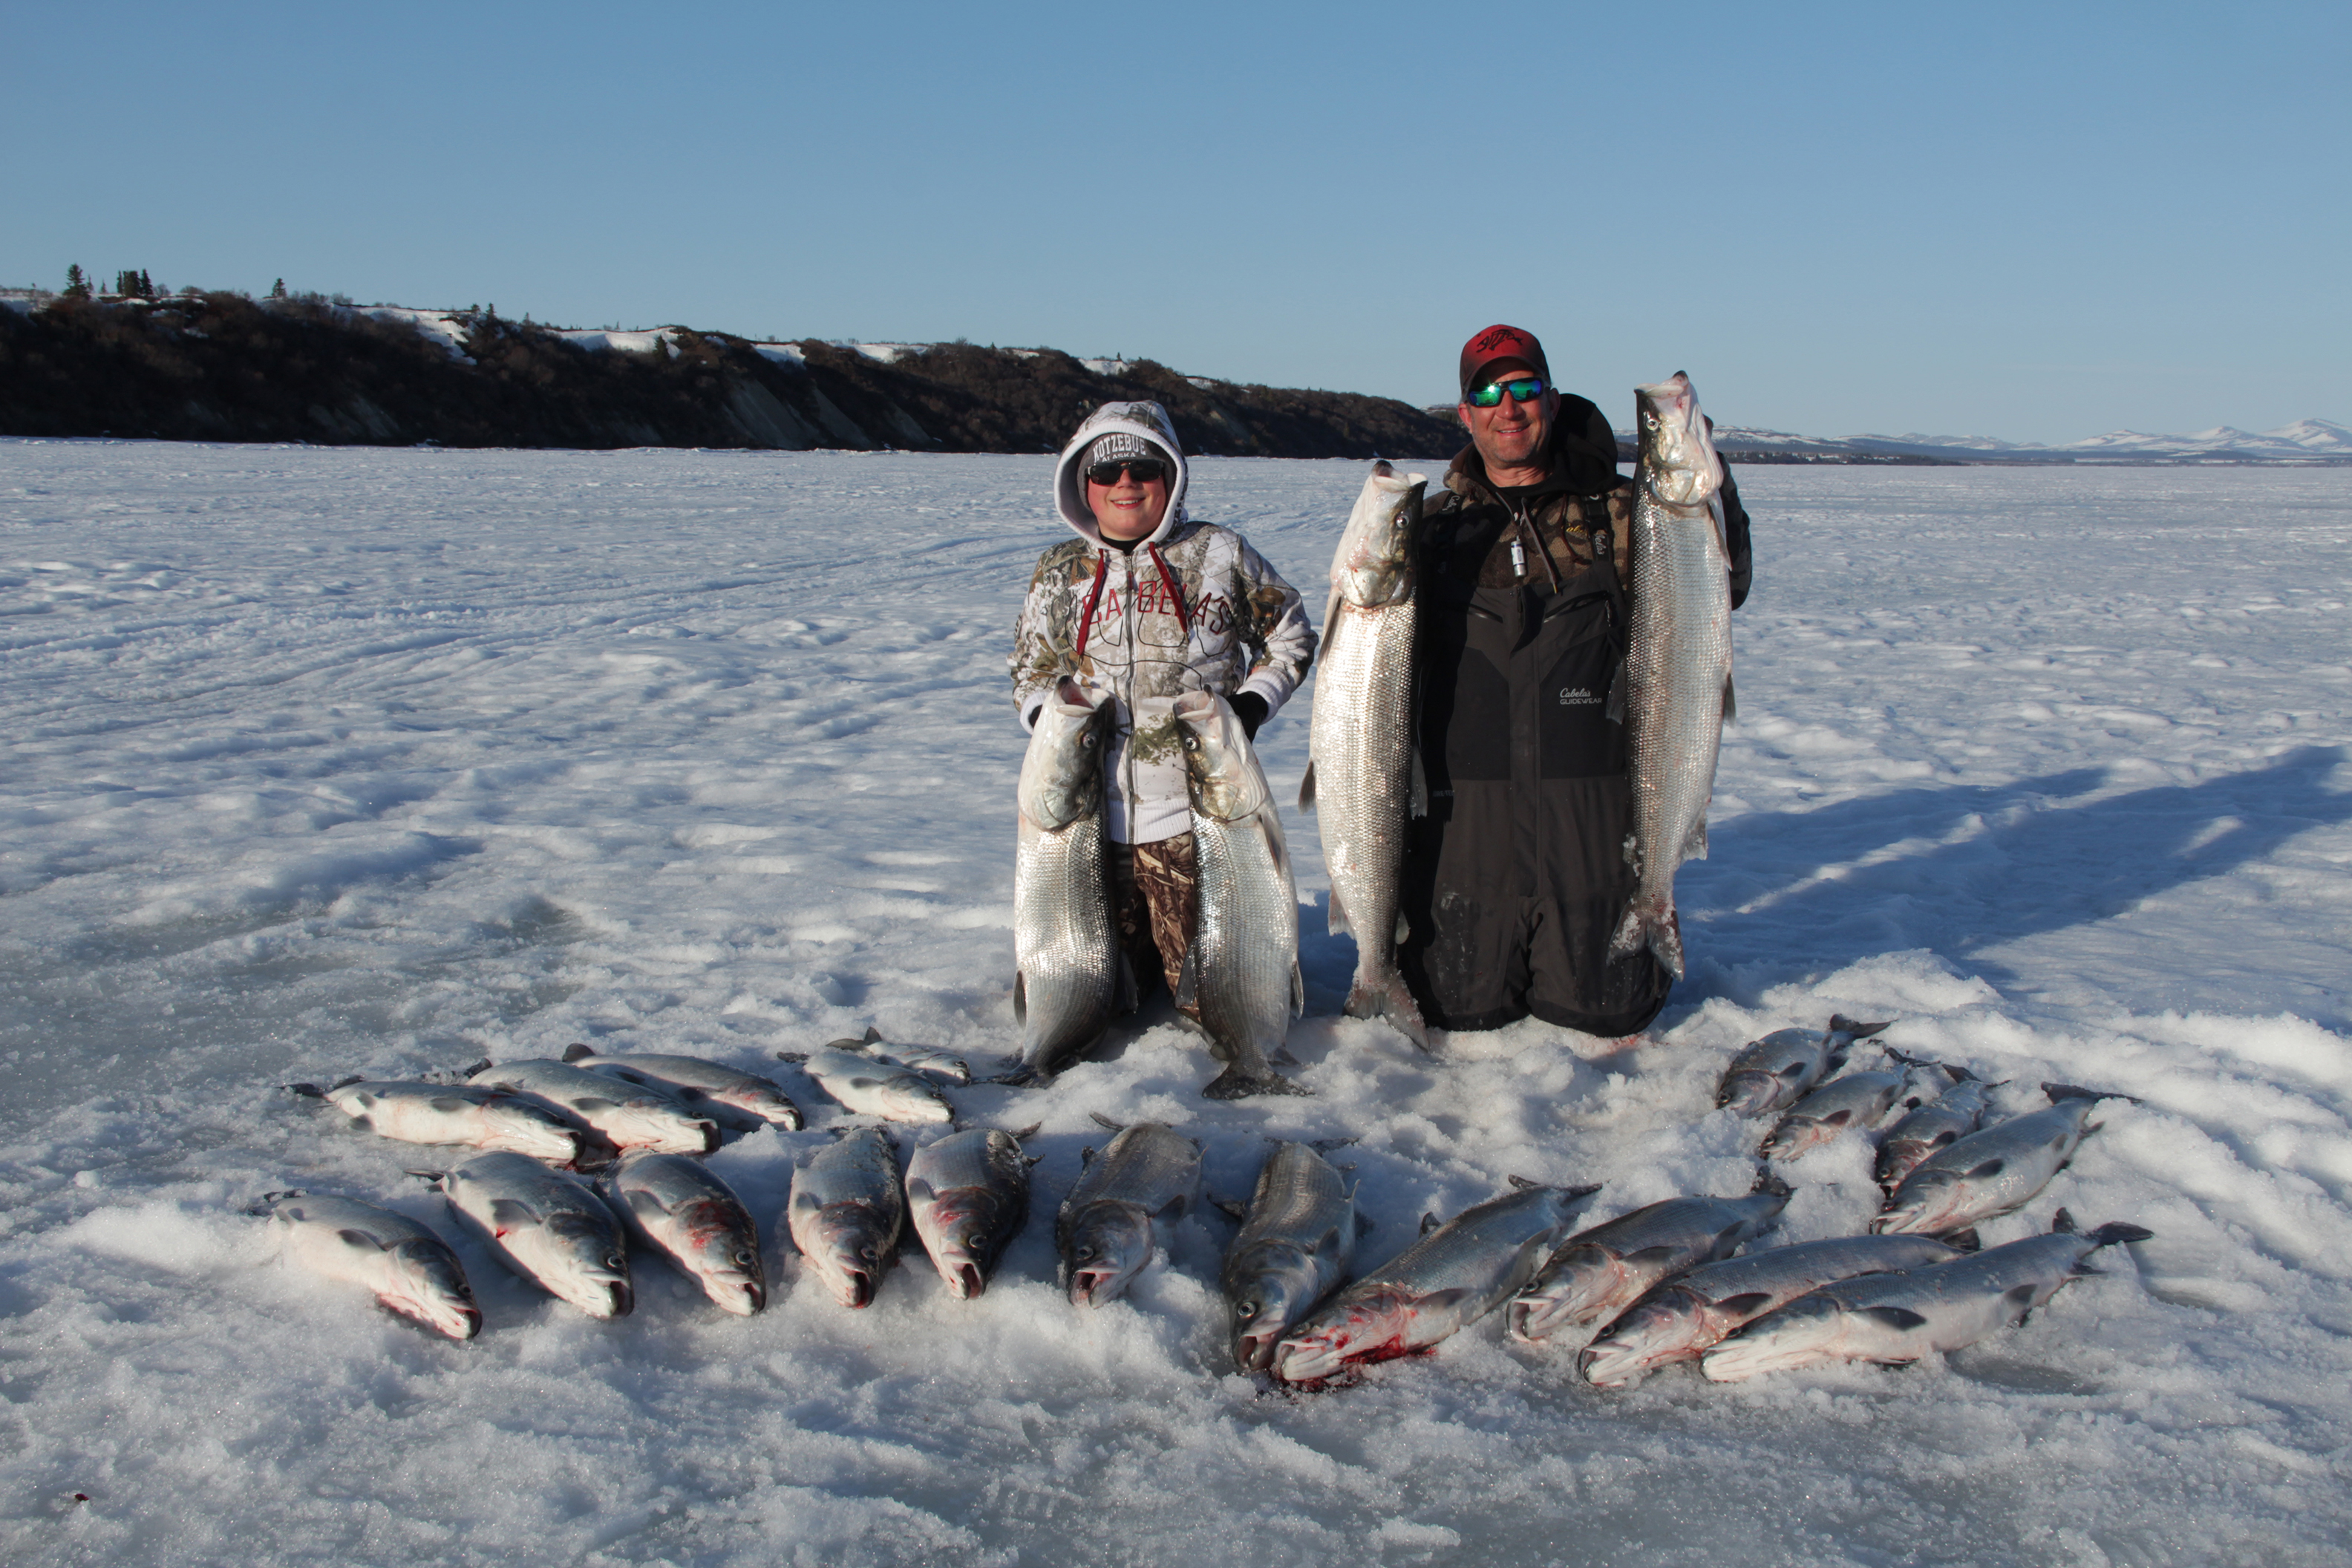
(1143,470)
(1526,389)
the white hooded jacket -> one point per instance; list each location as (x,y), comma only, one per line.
(1190,608)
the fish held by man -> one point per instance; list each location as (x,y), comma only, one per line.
(1773,1073)
(1296,1244)
(845,1211)
(547,1226)
(1678,658)
(1362,780)
(681,1209)
(1896,1319)
(968,1196)
(411,1271)
(1598,1272)
(1455,1275)
(1068,980)
(1242,968)
(1125,1202)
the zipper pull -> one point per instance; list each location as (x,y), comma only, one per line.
(1519,558)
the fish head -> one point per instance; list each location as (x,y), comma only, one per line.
(1108,1245)
(1574,1288)
(1796,1135)
(526,1129)
(1227,784)
(721,1249)
(1373,564)
(1668,1327)
(966,1229)
(580,1260)
(1808,1329)
(1061,772)
(1375,1325)
(769,1105)
(659,1128)
(1928,1202)
(1678,463)
(1749,1091)
(1268,1291)
(423,1282)
(910,1099)
(851,1246)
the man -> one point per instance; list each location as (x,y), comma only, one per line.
(1146,604)
(1517,879)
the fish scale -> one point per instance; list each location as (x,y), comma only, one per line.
(1677,660)
(1360,770)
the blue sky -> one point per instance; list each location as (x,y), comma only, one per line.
(2039,222)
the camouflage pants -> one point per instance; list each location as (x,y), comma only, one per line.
(1157,889)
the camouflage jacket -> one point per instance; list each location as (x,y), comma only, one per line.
(1113,619)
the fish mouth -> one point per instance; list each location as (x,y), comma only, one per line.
(1254,1351)
(1094,1287)
(741,1297)
(967,1281)
(1748,1094)
(1533,1323)
(621,1296)
(1608,1364)
(1306,1360)
(857,1288)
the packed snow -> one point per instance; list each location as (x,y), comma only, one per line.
(326,762)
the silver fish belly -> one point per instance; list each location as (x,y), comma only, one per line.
(741,1100)
(632,1115)
(844,1214)
(1773,1073)
(1858,1099)
(1680,1319)
(1677,660)
(1145,1179)
(1242,968)
(1065,934)
(1296,1246)
(549,1227)
(968,1196)
(410,1271)
(1899,1318)
(871,1087)
(1929,1129)
(462,1114)
(679,1207)
(1598,1272)
(1992,1172)
(1440,1285)
(1360,770)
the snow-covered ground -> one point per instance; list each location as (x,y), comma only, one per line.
(323,762)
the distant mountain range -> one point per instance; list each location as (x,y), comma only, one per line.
(2304,441)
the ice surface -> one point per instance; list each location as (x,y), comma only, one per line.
(366,759)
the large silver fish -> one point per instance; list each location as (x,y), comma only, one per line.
(1683,1317)
(1242,969)
(1928,1128)
(549,1227)
(410,1271)
(468,1115)
(631,1115)
(870,1086)
(1773,1073)
(1992,1172)
(1856,1100)
(1598,1272)
(968,1196)
(744,1101)
(1360,776)
(931,1060)
(1678,656)
(1442,1283)
(1296,1244)
(1898,1318)
(1067,986)
(1144,1181)
(680,1208)
(845,1211)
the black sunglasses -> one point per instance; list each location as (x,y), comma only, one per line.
(1143,470)
(1526,389)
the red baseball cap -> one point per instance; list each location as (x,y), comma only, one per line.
(1496,344)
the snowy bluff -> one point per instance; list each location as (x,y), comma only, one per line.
(222,367)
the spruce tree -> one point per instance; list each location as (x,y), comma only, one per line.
(77,286)
(278,289)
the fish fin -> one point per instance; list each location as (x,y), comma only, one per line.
(2020,1295)
(1730,703)
(1991,1167)
(1105,1122)
(305,1090)
(448,1103)
(1444,1300)
(349,1078)
(1522,1183)
(1577,1194)
(427,1176)
(795,1057)
(359,1240)
(1614,709)
(2062,1224)
(873,1036)
(1841,1025)
(1695,846)
(1306,788)
(1838,1118)
(596,1102)
(1297,1007)
(1417,788)
(644,1204)
(1659,1253)
(505,1212)
(1964,1240)
(1328,1145)
(575,1050)
(2115,1231)
(1747,1305)
(1230,1209)
(1025,1133)
(2060,1091)
(1086,1156)
(483,1065)
(1429,1222)
(1335,917)
(1768,1180)
(1187,978)
(1896,1317)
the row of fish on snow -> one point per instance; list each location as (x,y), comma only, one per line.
(1661,1284)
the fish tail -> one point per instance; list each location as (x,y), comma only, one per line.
(1389,998)
(1651,923)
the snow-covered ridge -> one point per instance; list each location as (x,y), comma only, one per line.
(2303,440)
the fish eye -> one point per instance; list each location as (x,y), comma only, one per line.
(1246,1310)
(613,1262)
(866,1252)
(743,1255)
(976,1239)
(1085,1254)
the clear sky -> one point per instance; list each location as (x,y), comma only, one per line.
(2034,221)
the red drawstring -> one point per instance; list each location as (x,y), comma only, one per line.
(1094,597)
(1183,619)
(1087,621)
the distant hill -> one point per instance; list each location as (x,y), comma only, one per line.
(223,367)
(2307,441)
